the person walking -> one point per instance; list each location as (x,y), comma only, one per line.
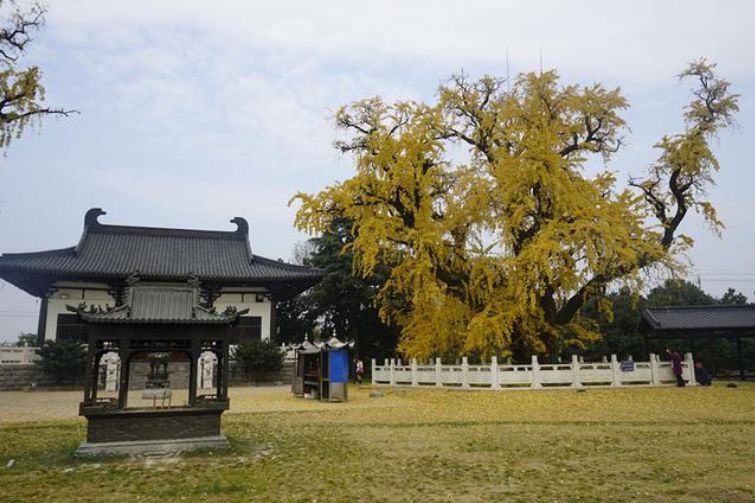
(359,370)
(676,365)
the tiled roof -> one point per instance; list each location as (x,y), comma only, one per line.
(158,304)
(718,317)
(115,251)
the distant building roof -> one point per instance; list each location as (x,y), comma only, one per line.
(158,305)
(690,318)
(116,251)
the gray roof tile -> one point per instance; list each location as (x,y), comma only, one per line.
(158,305)
(161,254)
(716,317)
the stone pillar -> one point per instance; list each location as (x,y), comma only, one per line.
(393,372)
(415,377)
(438,371)
(373,364)
(654,378)
(494,373)
(615,371)
(464,372)
(575,381)
(536,373)
(691,368)
(111,372)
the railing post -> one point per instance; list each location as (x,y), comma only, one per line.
(535,373)
(690,368)
(575,382)
(494,373)
(393,372)
(464,372)
(415,377)
(438,370)
(654,380)
(615,371)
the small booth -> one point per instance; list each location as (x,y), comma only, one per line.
(321,371)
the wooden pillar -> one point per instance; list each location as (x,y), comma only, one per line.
(42,321)
(90,386)
(740,362)
(273,320)
(223,370)
(193,363)
(124,355)
(94,380)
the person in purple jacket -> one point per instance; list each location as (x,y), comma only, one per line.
(676,365)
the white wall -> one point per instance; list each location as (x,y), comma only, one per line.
(12,355)
(72,296)
(92,293)
(248,299)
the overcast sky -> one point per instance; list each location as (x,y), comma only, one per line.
(195,112)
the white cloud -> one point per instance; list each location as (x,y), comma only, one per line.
(639,40)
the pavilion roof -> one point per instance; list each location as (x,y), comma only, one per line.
(692,318)
(158,254)
(158,305)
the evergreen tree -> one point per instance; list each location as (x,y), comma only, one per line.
(342,303)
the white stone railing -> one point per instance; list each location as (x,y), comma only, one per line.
(535,375)
(17,355)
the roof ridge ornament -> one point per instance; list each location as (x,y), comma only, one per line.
(133,278)
(242,226)
(242,230)
(193,281)
(90,222)
(90,218)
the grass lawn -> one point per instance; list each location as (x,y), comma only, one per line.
(662,444)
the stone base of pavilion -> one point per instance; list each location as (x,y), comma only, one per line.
(136,447)
(151,431)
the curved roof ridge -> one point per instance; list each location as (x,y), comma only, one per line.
(280,263)
(93,225)
(705,306)
(42,253)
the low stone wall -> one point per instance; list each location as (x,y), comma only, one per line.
(29,376)
(238,378)
(16,377)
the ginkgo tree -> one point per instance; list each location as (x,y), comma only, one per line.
(21,92)
(495,230)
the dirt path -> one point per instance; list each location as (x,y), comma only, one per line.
(45,405)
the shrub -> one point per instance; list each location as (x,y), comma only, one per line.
(63,361)
(256,356)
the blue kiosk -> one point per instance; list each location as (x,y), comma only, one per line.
(321,371)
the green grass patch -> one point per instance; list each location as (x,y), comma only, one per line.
(661,444)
